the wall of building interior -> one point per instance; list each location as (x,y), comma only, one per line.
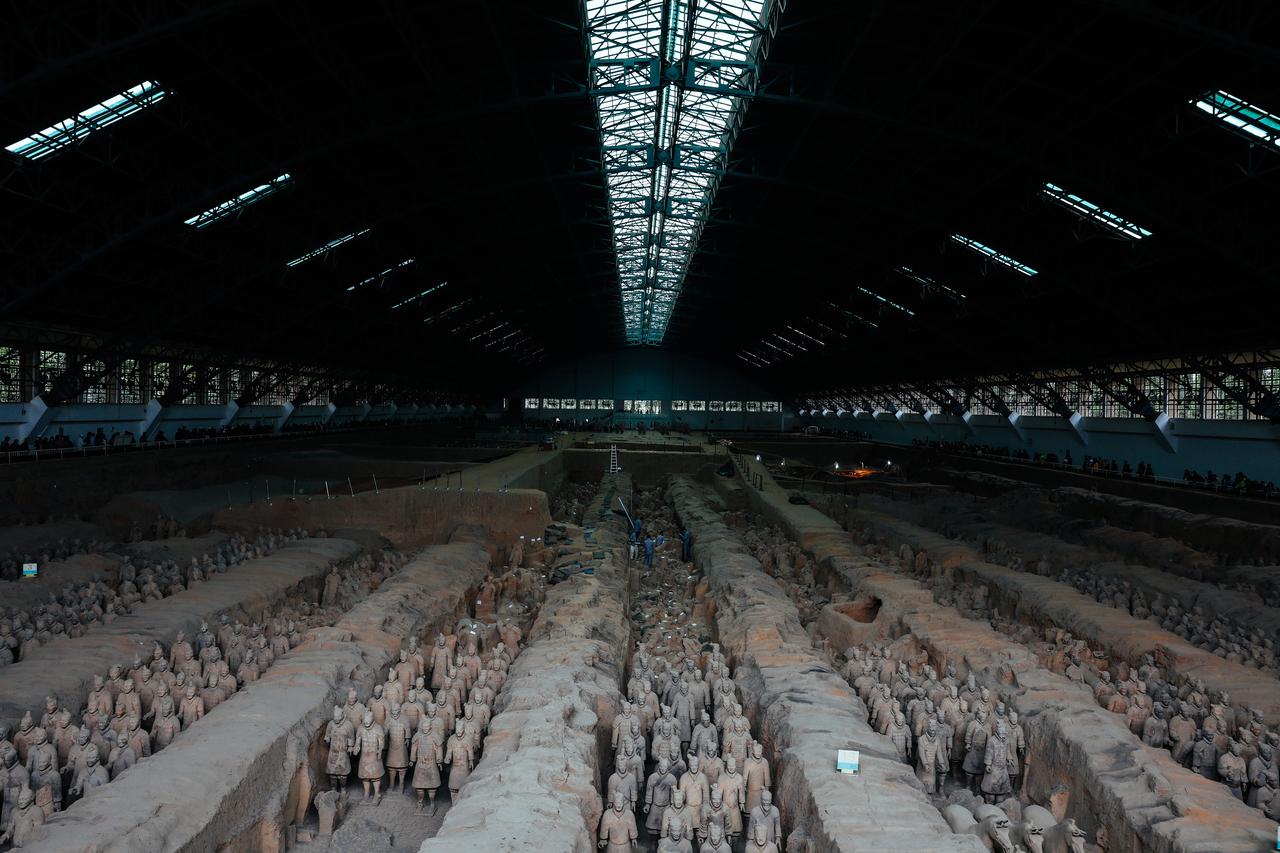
(644,386)
(1223,446)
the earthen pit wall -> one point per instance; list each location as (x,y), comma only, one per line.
(65,668)
(1236,540)
(805,711)
(545,756)
(976,528)
(1043,601)
(408,516)
(1146,802)
(238,778)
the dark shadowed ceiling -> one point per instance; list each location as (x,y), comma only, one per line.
(461,135)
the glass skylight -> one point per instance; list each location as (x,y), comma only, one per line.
(930,284)
(804,334)
(1243,117)
(491,330)
(380,276)
(790,342)
(888,302)
(671,87)
(1093,213)
(992,255)
(864,321)
(413,299)
(240,202)
(446,312)
(85,122)
(327,247)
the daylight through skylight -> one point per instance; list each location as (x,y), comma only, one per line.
(87,121)
(671,86)
(327,247)
(380,276)
(888,302)
(1093,213)
(240,202)
(991,254)
(930,284)
(413,299)
(1242,116)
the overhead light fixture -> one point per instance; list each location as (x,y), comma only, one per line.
(327,247)
(1089,210)
(992,255)
(380,276)
(58,136)
(240,202)
(1241,116)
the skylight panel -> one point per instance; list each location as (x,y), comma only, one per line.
(327,247)
(665,138)
(82,124)
(771,345)
(1088,210)
(864,321)
(413,299)
(790,342)
(1241,116)
(885,301)
(446,312)
(380,276)
(804,334)
(992,255)
(930,284)
(240,202)
(491,330)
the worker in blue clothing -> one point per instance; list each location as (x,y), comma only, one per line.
(635,539)
(648,551)
(686,545)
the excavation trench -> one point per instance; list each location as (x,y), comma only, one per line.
(803,710)
(65,667)
(1083,760)
(1157,583)
(546,754)
(247,770)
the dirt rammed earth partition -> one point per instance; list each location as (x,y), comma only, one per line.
(409,516)
(66,667)
(537,786)
(245,772)
(1143,800)
(1044,601)
(805,711)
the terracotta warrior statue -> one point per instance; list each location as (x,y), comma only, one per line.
(734,790)
(369,743)
(617,827)
(674,839)
(715,842)
(427,754)
(340,736)
(657,794)
(397,748)
(192,707)
(24,820)
(765,816)
(459,758)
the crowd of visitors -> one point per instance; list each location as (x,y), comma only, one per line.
(1238,483)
